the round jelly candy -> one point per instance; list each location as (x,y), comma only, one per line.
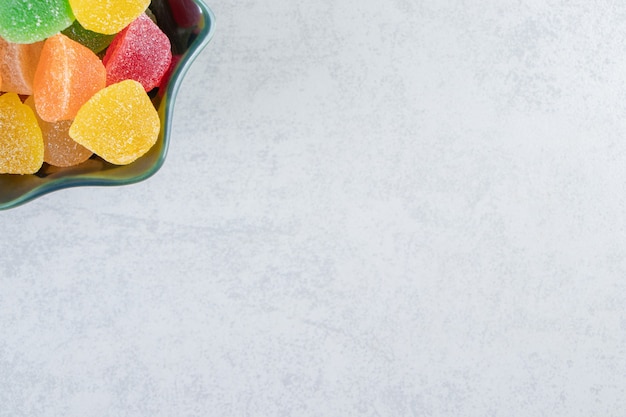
(109,16)
(21,141)
(119,123)
(67,75)
(28,21)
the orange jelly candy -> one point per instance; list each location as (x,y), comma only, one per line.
(67,75)
(21,141)
(18,63)
(59,149)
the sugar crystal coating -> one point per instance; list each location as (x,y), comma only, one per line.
(140,52)
(107,16)
(119,123)
(67,75)
(28,21)
(95,41)
(18,63)
(59,149)
(168,74)
(69,113)
(21,141)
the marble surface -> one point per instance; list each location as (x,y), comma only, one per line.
(400,208)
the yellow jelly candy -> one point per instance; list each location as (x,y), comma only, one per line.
(119,123)
(107,17)
(21,142)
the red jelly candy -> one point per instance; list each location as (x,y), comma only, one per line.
(140,52)
(168,74)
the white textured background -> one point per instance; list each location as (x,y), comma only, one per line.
(399,208)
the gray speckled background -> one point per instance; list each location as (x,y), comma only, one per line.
(400,208)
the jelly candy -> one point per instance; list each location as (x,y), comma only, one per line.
(59,149)
(109,16)
(21,141)
(75,103)
(18,63)
(97,42)
(68,75)
(168,74)
(119,123)
(28,21)
(140,52)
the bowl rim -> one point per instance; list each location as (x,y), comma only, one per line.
(203,37)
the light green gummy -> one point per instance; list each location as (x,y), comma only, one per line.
(28,21)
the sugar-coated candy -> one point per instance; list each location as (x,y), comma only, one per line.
(140,52)
(28,21)
(119,123)
(95,41)
(67,75)
(109,16)
(59,149)
(21,141)
(168,74)
(18,63)
(74,76)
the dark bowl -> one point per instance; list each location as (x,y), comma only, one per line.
(190,25)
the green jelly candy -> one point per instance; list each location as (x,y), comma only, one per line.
(97,42)
(28,21)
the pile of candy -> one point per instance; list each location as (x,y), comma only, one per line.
(74,81)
